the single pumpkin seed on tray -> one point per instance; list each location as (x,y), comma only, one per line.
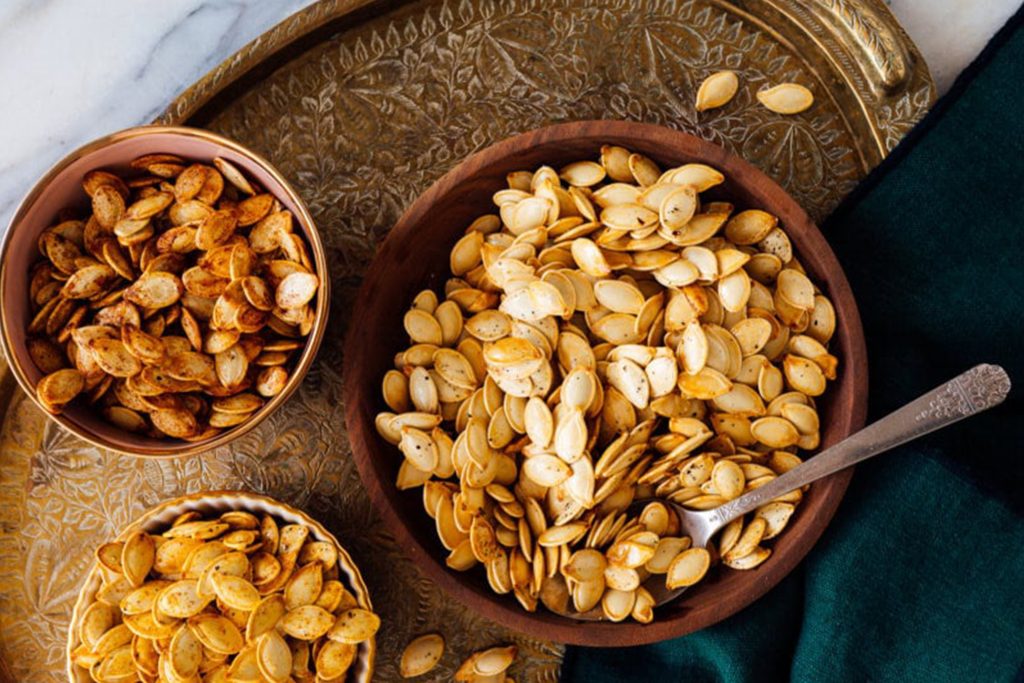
(421,655)
(607,335)
(786,98)
(717,90)
(486,665)
(191,605)
(180,281)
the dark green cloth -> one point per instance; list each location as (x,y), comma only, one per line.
(920,577)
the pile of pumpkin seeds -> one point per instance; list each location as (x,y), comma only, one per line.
(176,306)
(234,597)
(608,335)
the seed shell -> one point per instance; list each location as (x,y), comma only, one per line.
(717,90)
(786,98)
(421,655)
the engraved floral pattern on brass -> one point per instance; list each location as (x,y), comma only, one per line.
(363,115)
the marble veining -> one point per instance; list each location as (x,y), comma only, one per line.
(73,70)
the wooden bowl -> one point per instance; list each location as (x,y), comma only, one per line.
(415,256)
(61,187)
(215,502)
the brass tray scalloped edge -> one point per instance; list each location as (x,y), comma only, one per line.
(59,496)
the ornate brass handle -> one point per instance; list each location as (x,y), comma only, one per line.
(869,32)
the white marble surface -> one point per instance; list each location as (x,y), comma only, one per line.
(950,33)
(72,70)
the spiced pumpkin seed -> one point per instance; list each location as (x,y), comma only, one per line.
(421,655)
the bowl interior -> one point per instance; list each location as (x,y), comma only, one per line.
(62,188)
(160,518)
(415,255)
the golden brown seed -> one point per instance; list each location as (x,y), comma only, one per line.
(271,381)
(59,388)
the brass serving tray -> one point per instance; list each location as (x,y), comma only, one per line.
(363,105)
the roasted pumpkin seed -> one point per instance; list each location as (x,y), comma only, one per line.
(716,90)
(786,98)
(421,655)
(163,255)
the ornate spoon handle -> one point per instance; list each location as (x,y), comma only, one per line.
(978,389)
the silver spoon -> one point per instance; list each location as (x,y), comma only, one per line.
(978,389)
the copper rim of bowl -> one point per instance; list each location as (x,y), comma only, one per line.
(222,501)
(685,617)
(175,448)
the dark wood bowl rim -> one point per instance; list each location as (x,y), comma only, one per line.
(849,405)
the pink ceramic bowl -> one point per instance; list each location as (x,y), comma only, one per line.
(62,187)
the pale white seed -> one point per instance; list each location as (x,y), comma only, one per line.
(716,90)
(786,98)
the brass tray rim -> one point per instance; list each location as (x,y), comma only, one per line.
(278,37)
(320,13)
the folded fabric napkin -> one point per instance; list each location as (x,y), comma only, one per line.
(920,576)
